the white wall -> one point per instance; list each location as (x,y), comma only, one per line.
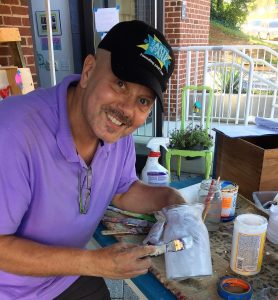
(64,57)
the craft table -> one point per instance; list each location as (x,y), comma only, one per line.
(155,285)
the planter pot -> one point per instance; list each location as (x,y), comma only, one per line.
(197,148)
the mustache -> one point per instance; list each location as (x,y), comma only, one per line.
(119,115)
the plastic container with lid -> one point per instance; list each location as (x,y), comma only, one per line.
(248,243)
(213,216)
(229,191)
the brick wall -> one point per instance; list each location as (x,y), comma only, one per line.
(194,30)
(15,13)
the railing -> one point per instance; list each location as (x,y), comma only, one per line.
(244,80)
(265,67)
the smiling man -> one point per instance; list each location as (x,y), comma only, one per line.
(66,153)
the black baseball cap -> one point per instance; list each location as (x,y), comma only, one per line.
(140,54)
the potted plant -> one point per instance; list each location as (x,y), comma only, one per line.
(191,138)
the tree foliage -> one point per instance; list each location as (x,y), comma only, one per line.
(231,13)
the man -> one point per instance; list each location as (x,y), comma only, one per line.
(66,153)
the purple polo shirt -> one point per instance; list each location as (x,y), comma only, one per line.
(39,169)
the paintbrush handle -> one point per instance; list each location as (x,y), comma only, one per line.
(209,197)
(115,232)
(128,221)
(133,214)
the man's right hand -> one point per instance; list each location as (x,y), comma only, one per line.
(120,261)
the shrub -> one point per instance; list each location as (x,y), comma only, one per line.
(191,138)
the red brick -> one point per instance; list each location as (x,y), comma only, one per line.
(174,25)
(24,2)
(5,51)
(25,22)
(5,10)
(27,50)
(167,21)
(35,77)
(10,61)
(19,10)
(29,41)
(4,61)
(25,31)
(12,21)
(169,9)
(30,60)
(173,15)
(10,2)
(23,41)
(33,69)
(1,20)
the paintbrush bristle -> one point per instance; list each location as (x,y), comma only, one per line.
(180,244)
(174,246)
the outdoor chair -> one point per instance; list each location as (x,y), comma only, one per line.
(204,117)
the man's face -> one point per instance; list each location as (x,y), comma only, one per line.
(113,108)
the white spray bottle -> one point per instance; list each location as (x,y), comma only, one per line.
(153,173)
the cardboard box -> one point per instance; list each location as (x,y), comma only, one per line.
(23,76)
(250,162)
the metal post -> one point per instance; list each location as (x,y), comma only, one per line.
(50,43)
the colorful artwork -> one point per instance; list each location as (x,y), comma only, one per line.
(57,45)
(42,23)
(18,80)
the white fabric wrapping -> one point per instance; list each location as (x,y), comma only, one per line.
(184,220)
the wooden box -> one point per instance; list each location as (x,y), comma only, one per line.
(251,162)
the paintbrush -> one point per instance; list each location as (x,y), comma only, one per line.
(133,214)
(128,221)
(135,230)
(209,196)
(174,246)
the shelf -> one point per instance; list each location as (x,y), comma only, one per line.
(12,37)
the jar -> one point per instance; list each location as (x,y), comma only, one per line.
(214,202)
(229,191)
(248,244)
(185,220)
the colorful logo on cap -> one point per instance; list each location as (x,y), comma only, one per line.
(155,48)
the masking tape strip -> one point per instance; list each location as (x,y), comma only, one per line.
(233,288)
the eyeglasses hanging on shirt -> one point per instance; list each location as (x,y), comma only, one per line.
(84,187)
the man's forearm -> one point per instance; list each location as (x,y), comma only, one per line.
(119,261)
(25,257)
(144,198)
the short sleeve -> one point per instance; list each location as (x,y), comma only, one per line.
(128,175)
(15,192)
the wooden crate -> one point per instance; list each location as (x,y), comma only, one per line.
(250,162)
